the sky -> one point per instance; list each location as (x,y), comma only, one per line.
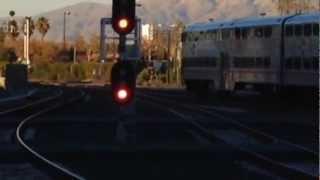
(34,7)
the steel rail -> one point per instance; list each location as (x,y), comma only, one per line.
(59,94)
(210,134)
(36,154)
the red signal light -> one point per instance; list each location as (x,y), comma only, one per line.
(123,25)
(122,95)
(123,16)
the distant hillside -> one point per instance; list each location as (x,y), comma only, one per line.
(85,17)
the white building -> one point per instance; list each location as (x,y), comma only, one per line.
(147,31)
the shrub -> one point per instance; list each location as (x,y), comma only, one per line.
(71,72)
(143,77)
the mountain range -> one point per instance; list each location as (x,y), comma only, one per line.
(85,17)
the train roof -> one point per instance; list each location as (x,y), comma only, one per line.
(254,21)
(247,22)
(305,18)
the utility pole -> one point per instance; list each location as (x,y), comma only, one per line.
(169,55)
(74,55)
(65,13)
(26,41)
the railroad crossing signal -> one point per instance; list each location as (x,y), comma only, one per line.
(123,16)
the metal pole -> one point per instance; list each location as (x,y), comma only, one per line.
(102,40)
(169,56)
(28,40)
(74,55)
(64,30)
(122,47)
(25,42)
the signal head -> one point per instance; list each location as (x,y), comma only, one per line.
(123,83)
(122,94)
(123,23)
(123,16)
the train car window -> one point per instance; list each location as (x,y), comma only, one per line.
(267,62)
(251,62)
(289,63)
(214,34)
(244,33)
(297,63)
(185,62)
(201,35)
(297,30)
(259,62)
(238,33)
(258,32)
(219,34)
(190,62)
(213,62)
(267,31)
(307,30)
(289,30)
(307,63)
(208,35)
(236,61)
(184,37)
(200,62)
(225,34)
(208,63)
(189,37)
(316,29)
(315,63)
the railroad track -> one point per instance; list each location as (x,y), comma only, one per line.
(33,104)
(216,111)
(58,101)
(232,129)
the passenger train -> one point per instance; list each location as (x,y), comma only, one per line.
(266,54)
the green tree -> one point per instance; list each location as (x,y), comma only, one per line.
(43,26)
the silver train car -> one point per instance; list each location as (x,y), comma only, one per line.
(266,54)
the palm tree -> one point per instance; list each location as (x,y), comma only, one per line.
(43,26)
(31,26)
(13,29)
(13,26)
(12,13)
